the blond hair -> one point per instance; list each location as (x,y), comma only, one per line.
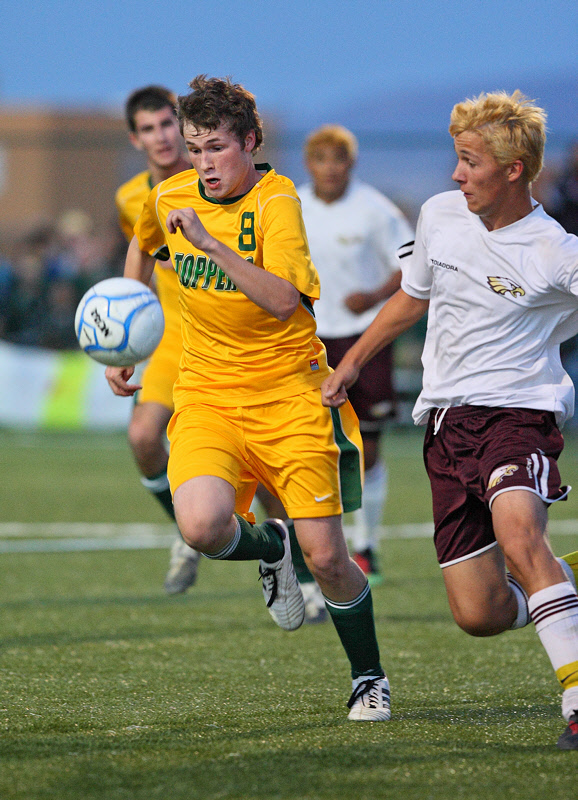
(512,127)
(334,135)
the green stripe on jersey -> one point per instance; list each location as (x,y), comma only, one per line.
(349,465)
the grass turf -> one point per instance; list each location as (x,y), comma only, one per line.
(109,689)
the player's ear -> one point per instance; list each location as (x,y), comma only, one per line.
(134,140)
(250,141)
(515,170)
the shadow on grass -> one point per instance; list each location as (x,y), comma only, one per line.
(176,765)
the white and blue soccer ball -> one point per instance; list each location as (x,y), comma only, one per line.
(119,322)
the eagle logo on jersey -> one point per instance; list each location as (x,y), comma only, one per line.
(500,473)
(504,285)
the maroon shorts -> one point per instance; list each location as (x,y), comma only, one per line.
(477,454)
(372,395)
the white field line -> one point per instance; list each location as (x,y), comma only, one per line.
(37,537)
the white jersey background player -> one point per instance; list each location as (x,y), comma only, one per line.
(354,232)
(501,281)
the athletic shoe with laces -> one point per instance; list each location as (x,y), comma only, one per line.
(315,610)
(369,700)
(182,569)
(367,562)
(569,739)
(281,588)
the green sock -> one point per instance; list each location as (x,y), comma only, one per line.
(356,628)
(158,486)
(303,574)
(251,543)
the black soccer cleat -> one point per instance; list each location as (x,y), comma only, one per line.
(569,739)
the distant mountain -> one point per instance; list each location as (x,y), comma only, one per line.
(427,110)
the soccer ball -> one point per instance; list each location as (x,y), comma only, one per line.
(119,322)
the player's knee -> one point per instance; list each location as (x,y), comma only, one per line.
(327,566)
(202,528)
(474,621)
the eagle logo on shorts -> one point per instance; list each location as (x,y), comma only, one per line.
(500,473)
(504,285)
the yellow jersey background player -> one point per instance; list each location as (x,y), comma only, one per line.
(153,129)
(247,400)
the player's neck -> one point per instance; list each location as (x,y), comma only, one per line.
(518,206)
(159,174)
(330,196)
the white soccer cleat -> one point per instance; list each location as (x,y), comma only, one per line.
(183,568)
(369,700)
(315,610)
(281,588)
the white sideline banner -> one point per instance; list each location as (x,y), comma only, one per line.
(57,390)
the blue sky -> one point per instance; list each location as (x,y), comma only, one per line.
(301,58)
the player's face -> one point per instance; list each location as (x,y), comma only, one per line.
(157,134)
(224,165)
(485,183)
(330,168)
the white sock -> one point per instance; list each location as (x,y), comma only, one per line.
(523,617)
(369,516)
(554,611)
(568,571)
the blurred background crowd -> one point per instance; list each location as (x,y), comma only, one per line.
(48,271)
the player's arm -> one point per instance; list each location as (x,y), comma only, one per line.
(399,313)
(358,302)
(274,294)
(138,265)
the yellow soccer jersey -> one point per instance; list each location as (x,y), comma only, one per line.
(129,200)
(234,352)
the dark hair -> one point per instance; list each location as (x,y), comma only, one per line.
(217,101)
(150,98)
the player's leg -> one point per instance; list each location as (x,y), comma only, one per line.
(147,439)
(348,599)
(210,480)
(520,523)
(372,398)
(317,476)
(367,519)
(315,611)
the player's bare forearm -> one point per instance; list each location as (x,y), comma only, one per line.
(276,295)
(138,265)
(358,302)
(399,313)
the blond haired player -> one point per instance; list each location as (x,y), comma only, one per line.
(354,232)
(500,278)
(247,399)
(154,129)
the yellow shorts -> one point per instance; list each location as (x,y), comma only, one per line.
(161,371)
(307,455)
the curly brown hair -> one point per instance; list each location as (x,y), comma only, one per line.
(217,101)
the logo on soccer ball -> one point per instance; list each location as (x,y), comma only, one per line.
(500,473)
(504,286)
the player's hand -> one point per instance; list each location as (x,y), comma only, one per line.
(187,220)
(118,380)
(358,302)
(334,388)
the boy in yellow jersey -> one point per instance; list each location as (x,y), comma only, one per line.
(153,129)
(247,400)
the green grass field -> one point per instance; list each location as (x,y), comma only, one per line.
(109,689)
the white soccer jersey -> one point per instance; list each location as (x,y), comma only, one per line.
(501,302)
(353,242)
